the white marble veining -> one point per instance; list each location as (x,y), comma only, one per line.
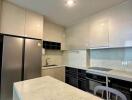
(47,88)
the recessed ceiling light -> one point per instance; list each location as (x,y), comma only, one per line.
(70,3)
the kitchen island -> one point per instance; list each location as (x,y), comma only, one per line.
(48,88)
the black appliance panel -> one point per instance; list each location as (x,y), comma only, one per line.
(51,45)
(123,86)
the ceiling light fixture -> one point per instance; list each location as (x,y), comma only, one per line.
(70,3)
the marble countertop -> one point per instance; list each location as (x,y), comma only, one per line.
(43,68)
(48,88)
(124,75)
(119,74)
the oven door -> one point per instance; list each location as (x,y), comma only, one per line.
(95,80)
(93,83)
(122,86)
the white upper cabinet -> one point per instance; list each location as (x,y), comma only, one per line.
(109,28)
(34,25)
(55,33)
(120,26)
(12,19)
(20,22)
(98,33)
(77,37)
(0,9)
(90,33)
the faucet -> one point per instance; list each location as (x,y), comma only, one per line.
(47,61)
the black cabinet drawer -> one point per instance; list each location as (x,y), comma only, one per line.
(71,71)
(121,85)
(72,81)
(96,77)
(83,84)
(81,73)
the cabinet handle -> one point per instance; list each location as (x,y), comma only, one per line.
(96,80)
(108,81)
(130,89)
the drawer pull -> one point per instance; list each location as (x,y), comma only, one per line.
(130,89)
(108,81)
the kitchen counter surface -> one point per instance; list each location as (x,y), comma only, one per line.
(47,88)
(124,75)
(119,74)
(43,68)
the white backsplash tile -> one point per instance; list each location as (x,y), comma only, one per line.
(112,58)
(55,57)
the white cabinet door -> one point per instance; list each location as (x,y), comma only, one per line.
(98,33)
(0,10)
(78,37)
(34,25)
(12,19)
(120,32)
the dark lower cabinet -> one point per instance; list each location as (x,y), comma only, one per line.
(83,84)
(76,78)
(72,80)
(123,86)
(85,81)
(71,76)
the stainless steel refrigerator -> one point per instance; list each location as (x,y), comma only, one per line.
(20,59)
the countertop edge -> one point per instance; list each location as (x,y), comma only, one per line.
(43,68)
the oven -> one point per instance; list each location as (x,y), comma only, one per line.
(123,86)
(94,80)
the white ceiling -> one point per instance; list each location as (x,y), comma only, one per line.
(56,11)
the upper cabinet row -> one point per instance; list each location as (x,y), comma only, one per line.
(111,28)
(21,22)
(0,9)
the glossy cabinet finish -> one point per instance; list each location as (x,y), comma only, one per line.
(34,25)
(120,31)
(109,28)
(12,19)
(98,33)
(55,33)
(0,11)
(21,22)
(121,85)
(77,37)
